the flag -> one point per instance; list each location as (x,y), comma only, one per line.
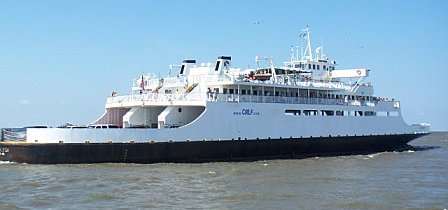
(142,84)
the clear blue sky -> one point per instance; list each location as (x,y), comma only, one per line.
(60,59)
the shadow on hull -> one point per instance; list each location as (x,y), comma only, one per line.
(201,151)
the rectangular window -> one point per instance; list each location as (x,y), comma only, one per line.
(243,92)
(314,66)
(217,65)
(381,113)
(327,113)
(339,113)
(182,69)
(393,114)
(323,68)
(369,113)
(318,66)
(292,112)
(309,66)
(230,91)
(255,92)
(224,90)
(310,112)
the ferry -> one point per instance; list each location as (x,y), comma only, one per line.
(217,112)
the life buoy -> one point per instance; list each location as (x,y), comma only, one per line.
(358,72)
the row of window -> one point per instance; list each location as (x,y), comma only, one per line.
(302,93)
(312,66)
(312,112)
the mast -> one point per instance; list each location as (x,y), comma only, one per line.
(306,35)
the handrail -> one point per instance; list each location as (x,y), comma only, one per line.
(279,80)
(154,97)
(289,100)
(220,97)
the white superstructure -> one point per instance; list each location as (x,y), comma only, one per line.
(307,97)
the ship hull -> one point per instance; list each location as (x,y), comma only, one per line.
(199,151)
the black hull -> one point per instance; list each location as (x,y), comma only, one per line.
(199,151)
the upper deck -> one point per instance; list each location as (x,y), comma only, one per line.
(305,79)
(198,99)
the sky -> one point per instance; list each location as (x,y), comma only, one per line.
(59,60)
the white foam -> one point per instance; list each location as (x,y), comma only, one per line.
(373,155)
(6,162)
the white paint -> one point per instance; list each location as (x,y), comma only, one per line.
(220,122)
(190,106)
(349,73)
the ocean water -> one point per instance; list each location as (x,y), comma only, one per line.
(414,179)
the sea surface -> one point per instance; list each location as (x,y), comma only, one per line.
(413,179)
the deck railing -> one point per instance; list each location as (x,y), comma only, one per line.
(236,98)
(210,78)
(155,97)
(292,100)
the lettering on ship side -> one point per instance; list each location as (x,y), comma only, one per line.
(246,112)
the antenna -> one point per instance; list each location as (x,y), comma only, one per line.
(322,56)
(297,52)
(292,53)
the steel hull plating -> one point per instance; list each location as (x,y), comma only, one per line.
(198,151)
